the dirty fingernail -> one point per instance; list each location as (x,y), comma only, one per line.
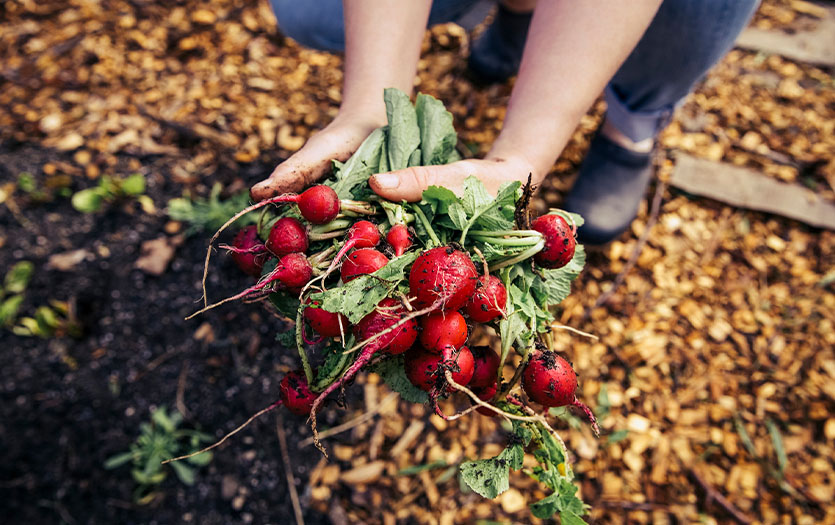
(387,181)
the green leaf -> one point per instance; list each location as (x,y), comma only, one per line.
(335,361)
(569,518)
(487,477)
(160,417)
(118,460)
(362,164)
(563,500)
(414,158)
(393,373)
(439,198)
(133,185)
(457,215)
(359,297)
(200,460)
(777,441)
(287,305)
(17,279)
(88,201)
(286,338)
(183,472)
(557,283)
(486,212)
(404,133)
(437,134)
(9,309)
(210,214)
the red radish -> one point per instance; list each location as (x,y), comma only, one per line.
(363,234)
(319,204)
(559,241)
(248,252)
(486,394)
(486,366)
(426,370)
(295,393)
(442,329)
(443,274)
(399,239)
(362,262)
(323,322)
(489,300)
(287,235)
(388,313)
(549,380)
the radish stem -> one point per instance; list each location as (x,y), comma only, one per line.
(426,225)
(527,254)
(308,372)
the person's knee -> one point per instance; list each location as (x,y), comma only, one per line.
(309,24)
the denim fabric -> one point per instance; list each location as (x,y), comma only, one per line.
(684,40)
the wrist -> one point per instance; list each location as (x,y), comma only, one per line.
(519,163)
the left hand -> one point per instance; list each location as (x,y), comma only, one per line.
(408,184)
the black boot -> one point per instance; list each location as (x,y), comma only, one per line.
(496,54)
(608,190)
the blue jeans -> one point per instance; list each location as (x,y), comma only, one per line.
(685,39)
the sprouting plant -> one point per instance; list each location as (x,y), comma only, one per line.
(160,440)
(112,189)
(209,214)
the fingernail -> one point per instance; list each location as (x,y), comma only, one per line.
(387,181)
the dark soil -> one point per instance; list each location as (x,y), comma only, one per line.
(69,404)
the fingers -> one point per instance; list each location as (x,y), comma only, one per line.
(288,177)
(408,184)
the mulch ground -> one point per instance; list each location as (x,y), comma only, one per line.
(716,351)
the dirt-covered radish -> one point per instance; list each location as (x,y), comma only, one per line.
(426,370)
(549,380)
(248,252)
(399,238)
(362,262)
(295,393)
(486,394)
(444,275)
(485,366)
(388,329)
(559,241)
(489,300)
(325,323)
(288,235)
(443,329)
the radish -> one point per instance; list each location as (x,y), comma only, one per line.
(295,393)
(486,394)
(288,235)
(559,241)
(442,329)
(485,366)
(362,262)
(443,274)
(248,252)
(399,239)
(323,322)
(549,380)
(489,300)
(380,330)
(319,204)
(426,370)
(363,234)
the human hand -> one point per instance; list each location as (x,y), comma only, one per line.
(408,184)
(338,141)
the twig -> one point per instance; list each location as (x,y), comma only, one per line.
(227,436)
(560,326)
(181,390)
(653,218)
(714,495)
(288,469)
(348,425)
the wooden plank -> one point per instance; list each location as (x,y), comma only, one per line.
(747,188)
(813,47)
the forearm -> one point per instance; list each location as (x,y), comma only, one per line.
(382,47)
(573,50)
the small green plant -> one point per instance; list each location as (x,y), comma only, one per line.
(112,189)
(11,293)
(54,320)
(160,440)
(209,214)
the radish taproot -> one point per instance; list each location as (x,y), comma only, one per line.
(426,370)
(559,241)
(442,329)
(248,252)
(362,262)
(295,393)
(485,366)
(489,300)
(363,234)
(443,275)
(288,235)
(399,239)
(323,322)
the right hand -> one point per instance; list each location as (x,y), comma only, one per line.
(339,140)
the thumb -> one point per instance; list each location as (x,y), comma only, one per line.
(408,184)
